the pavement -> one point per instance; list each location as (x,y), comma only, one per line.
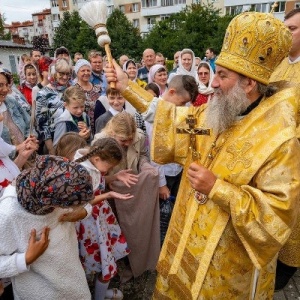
(141,288)
(292,289)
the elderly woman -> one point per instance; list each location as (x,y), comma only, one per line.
(138,217)
(131,70)
(205,78)
(15,120)
(49,102)
(159,75)
(29,223)
(83,72)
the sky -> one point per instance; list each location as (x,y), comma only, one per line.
(21,10)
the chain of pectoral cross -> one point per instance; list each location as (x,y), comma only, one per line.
(191,121)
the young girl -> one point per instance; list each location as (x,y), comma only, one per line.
(24,59)
(31,79)
(101,241)
(73,119)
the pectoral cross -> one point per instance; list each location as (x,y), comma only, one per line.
(192,131)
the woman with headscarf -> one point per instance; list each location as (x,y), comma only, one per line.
(186,64)
(31,80)
(49,102)
(159,75)
(130,68)
(83,70)
(205,78)
(29,213)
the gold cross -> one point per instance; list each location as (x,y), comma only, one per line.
(192,131)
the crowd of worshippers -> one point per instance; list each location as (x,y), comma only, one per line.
(74,149)
(64,108)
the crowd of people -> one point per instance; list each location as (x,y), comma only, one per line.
(91,153)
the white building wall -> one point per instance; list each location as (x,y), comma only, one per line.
(10,57)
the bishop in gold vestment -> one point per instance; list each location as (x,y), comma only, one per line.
(227,247)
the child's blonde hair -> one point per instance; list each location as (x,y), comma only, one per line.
(107,149)
(25,57)
(68,144)
(122,125)
(74,93)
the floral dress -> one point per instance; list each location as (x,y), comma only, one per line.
(101,242)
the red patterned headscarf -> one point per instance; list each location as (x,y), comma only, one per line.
(43,63)
(53,182)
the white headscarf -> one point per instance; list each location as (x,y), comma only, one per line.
(181,70)
(202,88)
(126,65)
(153,70)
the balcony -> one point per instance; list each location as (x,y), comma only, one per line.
(161,10)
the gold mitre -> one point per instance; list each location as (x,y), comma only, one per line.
(254,45)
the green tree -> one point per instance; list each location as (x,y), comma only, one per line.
(66,34)
(86,39)
(125,38)
(3,35)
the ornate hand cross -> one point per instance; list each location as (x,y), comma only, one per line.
(192,131)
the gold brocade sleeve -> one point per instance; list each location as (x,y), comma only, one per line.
(167,146)
(137,96)
(264,213)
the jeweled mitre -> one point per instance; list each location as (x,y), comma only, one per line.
(254,44)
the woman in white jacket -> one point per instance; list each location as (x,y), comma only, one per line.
(48,267)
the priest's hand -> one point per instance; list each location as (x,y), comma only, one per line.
(201,179)
(117,75)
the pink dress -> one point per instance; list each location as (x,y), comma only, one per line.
(101,242)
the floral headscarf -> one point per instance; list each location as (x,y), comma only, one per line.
(53,182)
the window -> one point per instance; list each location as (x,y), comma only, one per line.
(234,10)
(135,7)
(176,2)
(136,23)
(122,8)
(167,3)
(149,3)
(262,7)
(164,17)
(54,3)
(280,7)
(110,9)
(150,22)
(64,3)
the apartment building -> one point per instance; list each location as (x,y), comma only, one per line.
(142,13)
(42,24)
(238,6)
(24,30)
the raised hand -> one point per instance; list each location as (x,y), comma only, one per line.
(119,196)
(117,75)
(127,177)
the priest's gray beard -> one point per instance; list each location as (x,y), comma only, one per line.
(224,107)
